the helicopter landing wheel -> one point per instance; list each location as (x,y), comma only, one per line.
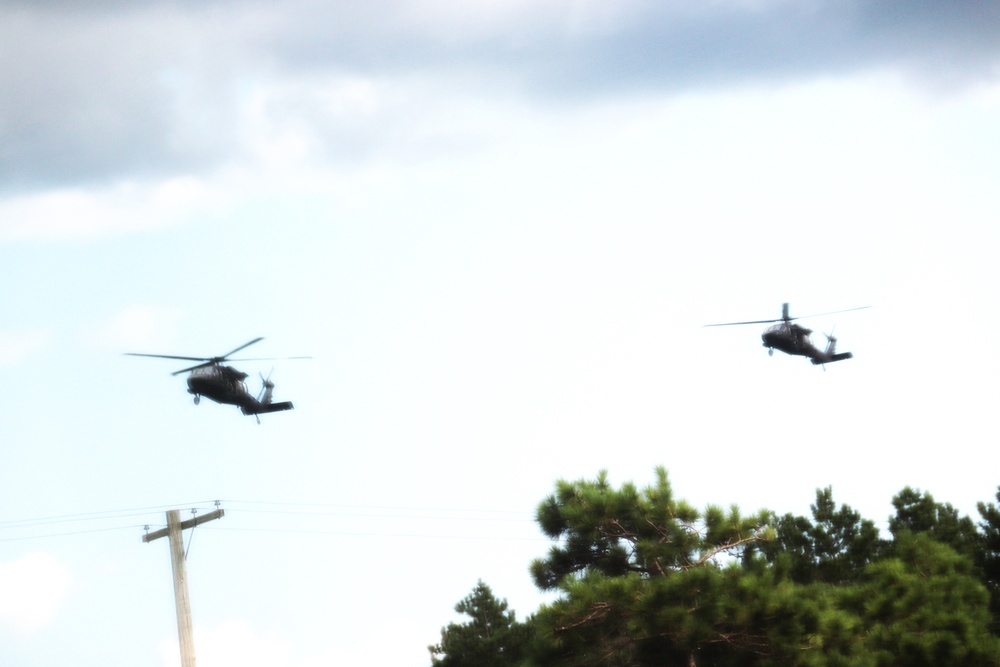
(770,353)
(197,399)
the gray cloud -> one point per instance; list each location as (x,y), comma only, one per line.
(89,98)
(121,90)
(663,45)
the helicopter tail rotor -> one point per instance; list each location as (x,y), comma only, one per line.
(266,389)
(831,341)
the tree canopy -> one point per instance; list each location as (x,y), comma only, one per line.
(491,638)
(644,578)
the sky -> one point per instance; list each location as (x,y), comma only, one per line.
(498,229)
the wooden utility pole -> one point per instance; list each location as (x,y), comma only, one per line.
(174,531)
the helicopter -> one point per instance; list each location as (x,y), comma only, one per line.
(792,338)
(225,384)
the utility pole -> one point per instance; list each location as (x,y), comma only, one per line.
(174,531)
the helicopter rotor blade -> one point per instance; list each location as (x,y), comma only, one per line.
(167,356)
(731,324)
(211,361)
(267,358)
(255,340)
(785,317)
(832,312)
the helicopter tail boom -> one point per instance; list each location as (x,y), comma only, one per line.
(267,407)
(832,358)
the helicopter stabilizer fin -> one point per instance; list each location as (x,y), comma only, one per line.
(269,407)
(836,357)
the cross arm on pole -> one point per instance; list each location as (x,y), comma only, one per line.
(190,523)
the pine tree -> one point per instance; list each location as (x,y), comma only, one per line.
(491,638)
(832,548)
(925,607)
(643,576)
(918,512)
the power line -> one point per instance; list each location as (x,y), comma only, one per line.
(374,515)
(76,532)
(337,533)
(21,525)
(307,511)
(86,516)
(381,507)
(206,504)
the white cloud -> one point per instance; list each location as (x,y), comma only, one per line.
(230,644)
(31,591)
(73,214)
(138,327)
(16,347)
(234,643)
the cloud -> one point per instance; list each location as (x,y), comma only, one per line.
(121,92)
(235,644)
(81,213)
(138,328)
(31,591)
(571,49)
(16,347)
(231,644)
(93,97)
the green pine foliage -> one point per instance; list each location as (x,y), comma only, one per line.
(491,638)
(644,578)
(924,606)
(988,557)
(833,547)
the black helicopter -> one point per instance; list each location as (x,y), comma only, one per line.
(225,384)
(792,338)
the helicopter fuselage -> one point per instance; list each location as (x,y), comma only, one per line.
(794,339)
(225,384)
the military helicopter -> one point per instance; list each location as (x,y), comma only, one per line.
(791,338)
(225,384)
